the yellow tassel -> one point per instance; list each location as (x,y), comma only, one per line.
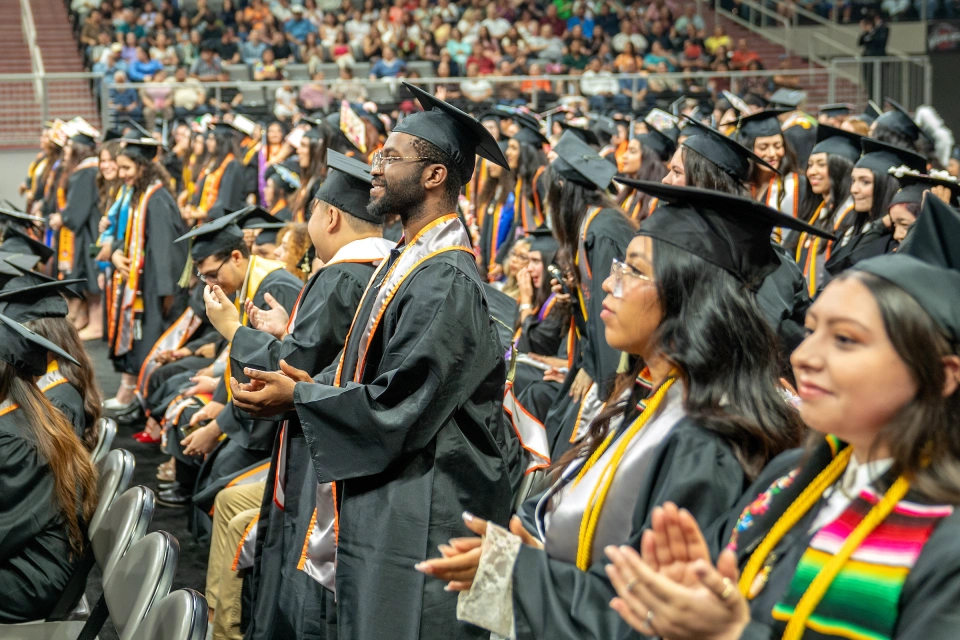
(591,516)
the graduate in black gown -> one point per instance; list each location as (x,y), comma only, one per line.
(855,535)
(38,303)
(147,296)
(48,484)
(873,188)
(223,259)
(407,426)
(289,601)
(220,190)
(699,416)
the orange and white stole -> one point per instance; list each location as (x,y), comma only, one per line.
(67,239)
(211,185)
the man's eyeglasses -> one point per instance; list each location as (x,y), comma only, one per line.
(208,279)
(619,269)
(379,160)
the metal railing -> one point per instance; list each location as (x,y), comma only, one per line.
(906,79)
(759,20)
(36,58)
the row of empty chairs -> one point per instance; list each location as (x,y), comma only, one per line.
(137,568)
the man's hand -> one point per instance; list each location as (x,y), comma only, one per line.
(202,441)
(209,411)
(208,350)
(269,393)
(222,314)
(273,320)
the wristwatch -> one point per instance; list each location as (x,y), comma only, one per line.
(526,306)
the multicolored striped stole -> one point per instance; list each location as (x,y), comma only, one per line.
(862,601)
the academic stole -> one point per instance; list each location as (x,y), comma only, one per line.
(266,156)
(281,203)
(531,217)
(211,186)
(809,248)
(258,269)
(318,554)
(127,295)
(474,187)
(862,599)
(783,194)
(52,378)
(173,338)
(67,239)
(583,264)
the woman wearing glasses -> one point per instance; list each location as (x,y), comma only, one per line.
(698,417)
(146,296)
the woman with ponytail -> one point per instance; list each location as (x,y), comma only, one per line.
(855,535)
(698,416)
(48,484)
(147,296)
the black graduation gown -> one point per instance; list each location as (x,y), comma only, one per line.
(928,602)
(249,441)
(876,240)
(554,600)
(81,215)
(607,238)
(783,300)
(230,195)
(163,265)
(488,235)
(327,306)
(411,446)
(35,556)
(68,400)
(250,174)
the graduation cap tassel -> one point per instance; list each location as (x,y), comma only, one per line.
(184,281)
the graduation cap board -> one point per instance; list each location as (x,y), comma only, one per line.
(927,264)
(736,102)
(25,350)
(209,238)
(458,134)
(288,179)
(82,132)
(15,216)
(761,124)
(880,157)
(578,162)
(529,134)
(16,241)
(142,147)
(726,153)
(834,141)
(23,300)
(788,98)
(899,120)
(835,110)
(586,135)
(914,184)
(728,231)
(347,186)
(268,232)
(17,264)
(542,240)
(658,143)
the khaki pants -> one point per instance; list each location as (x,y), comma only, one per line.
(233,511)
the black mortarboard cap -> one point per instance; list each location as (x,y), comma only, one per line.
(290,180)
(586,135)
(728,231)
(880,157)
(657,142)
(85,139)
(347,186)
(729,155)
(214,236)
(16,241)
(529,135)
(542,240)
(268,232)
(15,265)
(927,264)
(898,119)
(21,218)
(112,134)
(143,147)
(25,350)
(760,125)
(251,217)
(493,114)
(834,110)
(577,161)
(140,130)
(840,142)
(458,134)
(788,98)
(914,184)
(23,299)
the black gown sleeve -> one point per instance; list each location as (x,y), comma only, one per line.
(693,468)
(424,376)
(68,400)
(82,201)
(543,337)
(164,258)
(230,192)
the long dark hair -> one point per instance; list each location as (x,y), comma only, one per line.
(149,172)
(226,144)
(726,355)
(883,133)
(839,171)
(491,185)
(922,438)
(316,171)
(107,190)
(567,203)
(651,169)
(62,333)
(531,159)
(788,164)
(885,186)
(74,474)
(78,153)
(704,173)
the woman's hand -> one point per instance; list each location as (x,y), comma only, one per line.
(208,350)
(495,272)
(55,221)
(105,252)
(674,544)
(121,263)
(581,385)
(273,320)
(942,192)
(209,411)
(220,311)
(551,361)
(104,224)
(653,604)
(560,297)
(201,384)
(202,441)
(525,283)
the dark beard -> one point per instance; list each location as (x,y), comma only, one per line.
(402,197)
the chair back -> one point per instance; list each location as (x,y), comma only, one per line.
(182,615)
(139,580)
(115,477)
(125,524)
(106,432)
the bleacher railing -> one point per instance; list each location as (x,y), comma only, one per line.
(36,58)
